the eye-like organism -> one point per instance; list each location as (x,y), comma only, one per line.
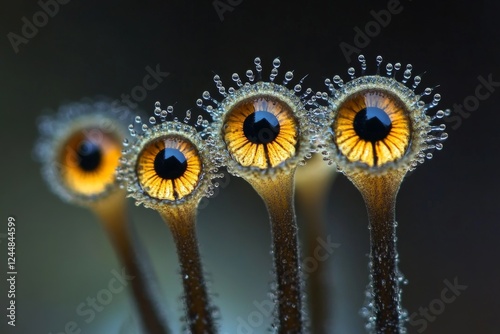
(264,131)
(79,149)
(169,167)
(379,129)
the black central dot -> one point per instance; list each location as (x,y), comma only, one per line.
(89,156)
(170,163)
(261,127)
(372,124)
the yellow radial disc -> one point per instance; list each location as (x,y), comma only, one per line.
(169,168)
(372,127)
(88,161)
(261,132)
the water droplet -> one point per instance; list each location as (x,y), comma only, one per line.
(250,75)
(351,71)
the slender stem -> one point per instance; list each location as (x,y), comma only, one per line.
(199,311)
(112,212)
(379,193)
(312,184)
(278,193)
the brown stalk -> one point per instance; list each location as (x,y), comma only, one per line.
(379,193)
(181,220)
(278,194)
(112,212)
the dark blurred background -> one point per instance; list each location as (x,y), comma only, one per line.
(447,210)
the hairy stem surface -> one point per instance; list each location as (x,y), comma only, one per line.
(379,193)
(278,193)
(199,312)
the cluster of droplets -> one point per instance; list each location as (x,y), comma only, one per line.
(368,310)
(429,124)
(165,122)
(212,106)
(164,115)
(253,82)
